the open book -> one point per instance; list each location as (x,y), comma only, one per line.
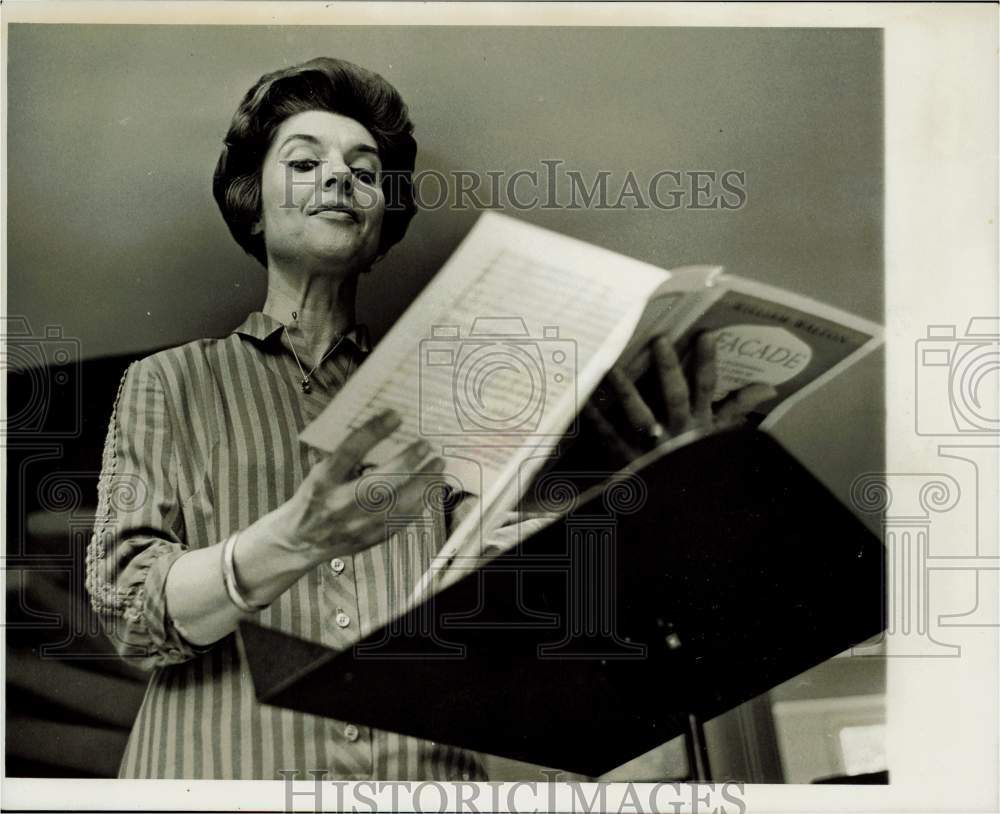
(494,360)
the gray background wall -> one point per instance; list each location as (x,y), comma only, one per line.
(113,133)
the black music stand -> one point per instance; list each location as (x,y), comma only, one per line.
(619,627)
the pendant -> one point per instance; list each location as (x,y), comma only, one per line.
(306,386)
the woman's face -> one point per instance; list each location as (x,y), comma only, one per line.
(321,198)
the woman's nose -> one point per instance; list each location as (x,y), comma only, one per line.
(337,174)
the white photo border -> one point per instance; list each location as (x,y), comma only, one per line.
(941,269)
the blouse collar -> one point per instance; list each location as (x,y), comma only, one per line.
(264,328)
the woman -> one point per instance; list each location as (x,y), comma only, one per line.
(211,511)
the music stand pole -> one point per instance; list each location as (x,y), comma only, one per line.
(697,750)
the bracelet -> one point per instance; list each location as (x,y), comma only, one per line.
(229,579)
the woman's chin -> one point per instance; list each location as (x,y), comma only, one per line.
(336,260)
(336,265)
(343,247)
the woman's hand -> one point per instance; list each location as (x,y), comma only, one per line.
(322,520)
(325,517)
(686,402)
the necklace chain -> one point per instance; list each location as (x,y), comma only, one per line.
(306,382)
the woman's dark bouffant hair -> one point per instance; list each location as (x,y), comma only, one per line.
(320,84)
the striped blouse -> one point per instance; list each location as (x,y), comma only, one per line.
(202,442)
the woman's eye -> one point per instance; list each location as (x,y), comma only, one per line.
(364,175)
(304,164)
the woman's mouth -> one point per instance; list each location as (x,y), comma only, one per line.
(334,213)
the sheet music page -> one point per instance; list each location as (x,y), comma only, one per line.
(493,360)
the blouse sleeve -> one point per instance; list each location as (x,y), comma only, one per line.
(138,528)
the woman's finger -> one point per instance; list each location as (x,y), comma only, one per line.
(673,385)
(467,504)
(365,520)
(410,492)
(637,412)
(705,376)
(350,453)
(620,449)
(735,406)
(405,461)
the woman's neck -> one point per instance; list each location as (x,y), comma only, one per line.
(315,308)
